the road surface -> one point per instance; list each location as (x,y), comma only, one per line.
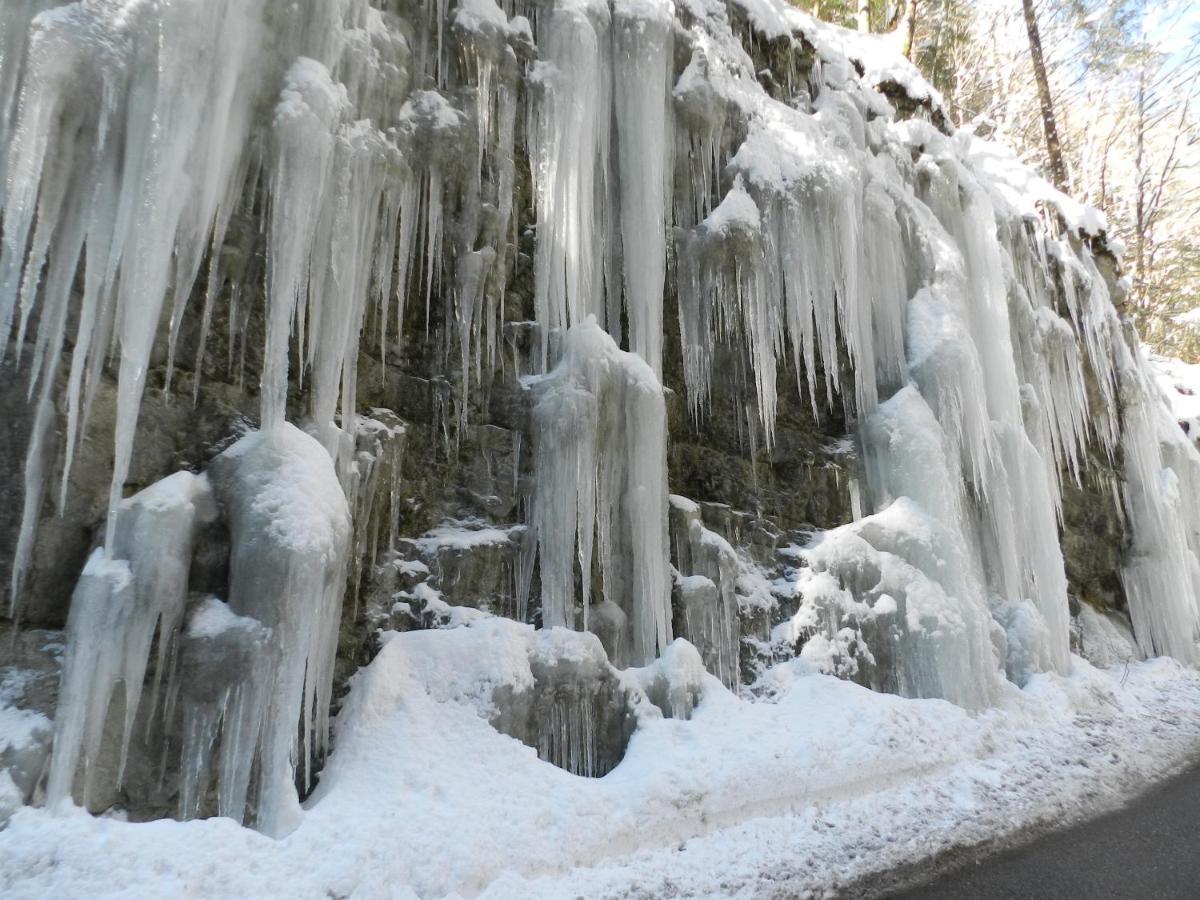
(1147,850)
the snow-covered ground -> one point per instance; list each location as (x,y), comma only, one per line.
(813,784)
(1180,382)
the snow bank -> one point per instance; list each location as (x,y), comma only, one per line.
(820,782)
(1180,384)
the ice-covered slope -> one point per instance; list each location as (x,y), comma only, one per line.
(597,231)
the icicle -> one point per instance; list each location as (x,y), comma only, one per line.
(224,671)
(36,459)
(726,289)
(642,59)
(706,592)
(344,263)
(379,452)
(700,116)
(290,536)
(306,122)
(1161,484)
(172,92)
(600,460)
(569,137)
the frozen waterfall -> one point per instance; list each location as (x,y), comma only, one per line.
(590,245)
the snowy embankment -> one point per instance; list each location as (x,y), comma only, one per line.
(813,784)
(1180,384)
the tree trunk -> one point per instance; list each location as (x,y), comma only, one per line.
(1058,171)
(909,24)
(864,16)
(1140,224)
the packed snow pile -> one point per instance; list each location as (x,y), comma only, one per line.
(824,783)
(605,420)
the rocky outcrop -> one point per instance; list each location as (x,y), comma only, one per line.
(818,293)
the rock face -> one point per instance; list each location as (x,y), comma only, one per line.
(653,322)
(577,714)
(705,598)
(28,696)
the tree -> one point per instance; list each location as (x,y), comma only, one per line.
(1058,171)
(863,16)
(1124,78)
(1104,97)
(909,24)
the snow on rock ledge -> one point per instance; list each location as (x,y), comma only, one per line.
(553,689)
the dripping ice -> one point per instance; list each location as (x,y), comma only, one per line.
(601,492)
(886,264)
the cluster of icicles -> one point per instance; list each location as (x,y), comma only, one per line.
(132,139)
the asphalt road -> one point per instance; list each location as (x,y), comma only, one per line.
(1149,849)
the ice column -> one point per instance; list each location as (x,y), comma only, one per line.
(942,644)
(1162,484)
(115,610)
(961,354)
(570,145)
(642,61)
(290,533)
(289,529)
(600,461)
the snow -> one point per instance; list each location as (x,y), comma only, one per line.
(479,15)
(1021,189)
(212,618)
(931,638)
(816,784)
(1106,638)
(1180,384)
(683,503)
(433,606)
(459,535)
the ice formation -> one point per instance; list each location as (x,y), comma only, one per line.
(290,540)
(707,606)
(1162,477)
(119,604)
(642,69)
(564,181)
(601,491)
(251,670)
